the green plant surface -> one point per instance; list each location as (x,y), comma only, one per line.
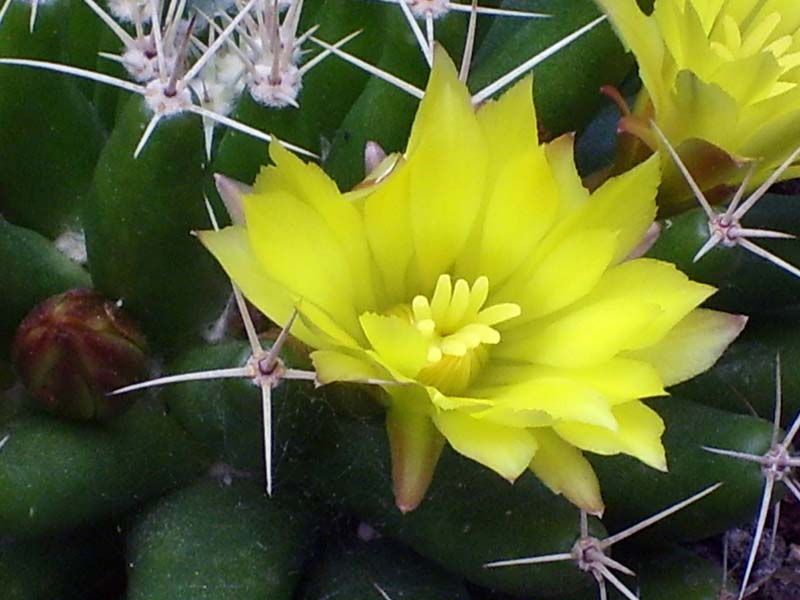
(46,164)
(65,474)
(33,270)
(218,540)
(138,224)
(355,570)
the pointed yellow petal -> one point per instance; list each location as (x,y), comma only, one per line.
(506,450)
(443,87)
(625,204)
(566,274)
(693,345)
(298,249)
(232,250)
(447,160)
(308,183)
(333,365)
(684,35)
(758,35)
(773,125)
(561,156)
(638,434)
(509,124)
(320,323)
(750,79)
(708,12)
(445,402)
(416,446)
(520,211)
(397,342)
(582,337)
(564,470)
(661,283)
(388,224)
(709,105)
(561,399)
(509,416)
(633,306)
(788,10)
(619,379)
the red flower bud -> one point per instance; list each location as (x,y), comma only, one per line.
(74,348)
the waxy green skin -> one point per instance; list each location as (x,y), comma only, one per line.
(331,87)
(138,224)
(669,573)
(351,568)
(213,539)
(225,415)
(46,164)
(747,283)
(677,573)
(633,491)
(108,100)
(564,102)
(83,41)
(64,475)
(33,270)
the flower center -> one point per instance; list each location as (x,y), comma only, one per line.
(730,42)
(458,325)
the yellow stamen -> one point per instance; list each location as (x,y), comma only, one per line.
(458,326)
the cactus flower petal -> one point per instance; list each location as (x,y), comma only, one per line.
(693,345)
(416,445)
(484,289)
(510,126)
(232,248)
(445,138)
(564,469)
(639,429)
(331,365)
(506,450)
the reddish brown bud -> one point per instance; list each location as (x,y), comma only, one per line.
(73,349)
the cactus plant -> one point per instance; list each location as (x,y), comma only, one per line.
(470,350)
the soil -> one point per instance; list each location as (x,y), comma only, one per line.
(776,573)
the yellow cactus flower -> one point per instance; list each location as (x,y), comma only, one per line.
(721,79)
(485,289)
